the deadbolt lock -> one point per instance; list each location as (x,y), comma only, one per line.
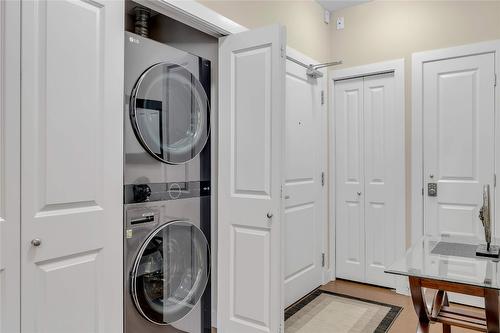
(432,189)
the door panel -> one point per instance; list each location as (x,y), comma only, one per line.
(458,146)
(72,166)
(350,226)
(381,128)
(9,166)
(303,190)
(251,116)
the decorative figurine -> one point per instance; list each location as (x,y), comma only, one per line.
(487,250)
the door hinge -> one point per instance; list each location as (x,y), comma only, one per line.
(495,80)
(323,178)
(322,97)
(281,192)
(495,180)
(322,260)
(422,191)
(283,52)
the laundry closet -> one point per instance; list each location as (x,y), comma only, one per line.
(65,153)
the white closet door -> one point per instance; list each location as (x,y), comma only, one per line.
(304,227)
(251,121)
(10,72)
(72,119)
(350,226)
(459,150)
(384,173)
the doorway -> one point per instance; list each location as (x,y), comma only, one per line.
(369,168)
(453,144)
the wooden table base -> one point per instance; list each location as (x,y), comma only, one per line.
(441,311)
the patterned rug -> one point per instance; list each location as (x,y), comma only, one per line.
(326,312)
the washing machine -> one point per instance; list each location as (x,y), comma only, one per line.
(167,265)
(166,189)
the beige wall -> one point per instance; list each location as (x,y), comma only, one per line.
(306,30)
(385,30)
(375,31)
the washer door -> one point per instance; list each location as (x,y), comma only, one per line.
(170,272)
(169,111)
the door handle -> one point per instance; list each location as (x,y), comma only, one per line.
(269,215)
(36,242)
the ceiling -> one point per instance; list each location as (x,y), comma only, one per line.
(333,5)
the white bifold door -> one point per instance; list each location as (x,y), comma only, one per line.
(369,174)
(10,33)
(251,121)
(71,166)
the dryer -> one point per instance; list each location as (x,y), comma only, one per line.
(166,189)
(167,119)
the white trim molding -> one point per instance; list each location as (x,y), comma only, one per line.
(418,61)
(397,66)
(196,15)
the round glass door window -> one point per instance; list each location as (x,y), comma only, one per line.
(170,113)
(171,272)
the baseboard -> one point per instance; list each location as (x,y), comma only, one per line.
(402,285)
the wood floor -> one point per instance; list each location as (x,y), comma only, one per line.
(407,319)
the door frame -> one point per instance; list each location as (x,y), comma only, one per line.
(397,66)
(417,160)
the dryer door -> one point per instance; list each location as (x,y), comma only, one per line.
(170,272)
(169,111)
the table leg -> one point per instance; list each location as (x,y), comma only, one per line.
(418,299)
(446,328)
(491,308)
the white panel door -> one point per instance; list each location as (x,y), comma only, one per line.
(72,99)
(10,226)
(251,121)
(349,138)
(303,220)
(458,103)
(384,174)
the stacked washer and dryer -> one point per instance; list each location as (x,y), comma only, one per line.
(167,189)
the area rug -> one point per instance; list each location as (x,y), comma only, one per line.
(325,312)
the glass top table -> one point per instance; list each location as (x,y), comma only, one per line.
(449,264)
(449,258)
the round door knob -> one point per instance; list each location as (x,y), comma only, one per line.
(36,242)
(359,193)
(269,215)
(431,176)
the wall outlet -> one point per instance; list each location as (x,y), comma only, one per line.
(340,23)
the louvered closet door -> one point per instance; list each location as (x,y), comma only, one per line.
(71,166)
(350,224)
